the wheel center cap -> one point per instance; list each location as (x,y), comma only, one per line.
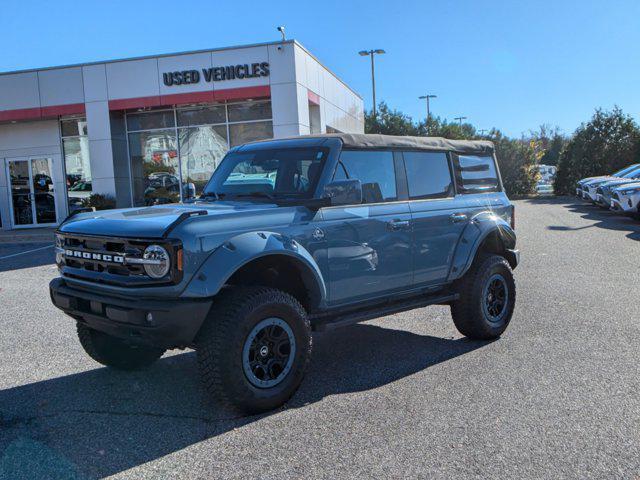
(264,351)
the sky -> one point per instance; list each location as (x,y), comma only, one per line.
(513,64)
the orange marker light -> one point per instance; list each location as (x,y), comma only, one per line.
(179,260)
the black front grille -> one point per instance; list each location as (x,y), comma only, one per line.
(616,196)
(104,246)
(104,259)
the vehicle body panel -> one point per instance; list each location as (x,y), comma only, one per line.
(369,250)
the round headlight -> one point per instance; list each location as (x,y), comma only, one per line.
(158,264)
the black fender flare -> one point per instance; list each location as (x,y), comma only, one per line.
(479,228)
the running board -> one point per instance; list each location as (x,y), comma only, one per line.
(331,320)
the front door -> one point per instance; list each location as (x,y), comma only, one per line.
(368,245)
(33,202)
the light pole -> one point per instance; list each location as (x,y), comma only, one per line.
(460,119)
(427,98)
(372,53)
(482,130)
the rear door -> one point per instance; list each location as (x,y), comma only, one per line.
(438,216)
(369,244)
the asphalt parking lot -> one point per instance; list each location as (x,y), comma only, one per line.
(403,396)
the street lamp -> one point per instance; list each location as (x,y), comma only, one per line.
(427,98)
(371,53)
(460,119)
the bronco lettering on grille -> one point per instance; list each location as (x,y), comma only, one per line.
(101,257)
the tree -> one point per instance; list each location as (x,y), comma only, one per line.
(517,159)
(551,142)
(608,142)
(389,122)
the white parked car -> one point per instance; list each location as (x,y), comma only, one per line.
(626,198)
(582,188)
(590,188)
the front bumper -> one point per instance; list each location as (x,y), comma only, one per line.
(625,204)
(170,323)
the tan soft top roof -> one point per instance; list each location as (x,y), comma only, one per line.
(362,140)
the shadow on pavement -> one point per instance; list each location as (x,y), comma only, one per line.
(16,256)
(603,218)
(100,422)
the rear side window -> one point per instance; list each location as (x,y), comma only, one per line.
(428,175)
(375,169)
(476,174)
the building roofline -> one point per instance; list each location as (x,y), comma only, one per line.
(189,52)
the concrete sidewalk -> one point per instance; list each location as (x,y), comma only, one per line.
(28,235)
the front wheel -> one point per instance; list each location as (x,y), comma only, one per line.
(254,348)
(114,352)
(487,299)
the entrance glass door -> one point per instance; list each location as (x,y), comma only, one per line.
(33,200)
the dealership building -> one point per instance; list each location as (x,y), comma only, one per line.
(150,130)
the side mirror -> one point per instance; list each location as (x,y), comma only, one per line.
(343,192)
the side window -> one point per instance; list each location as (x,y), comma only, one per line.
(476,174)
(375,169)
(428,175)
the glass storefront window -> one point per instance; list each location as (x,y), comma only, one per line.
(73,127)
(240,133)
(201,149)
(171,162)
(241,112)
(202,116)
(75,145)
(150,120)
(154,167)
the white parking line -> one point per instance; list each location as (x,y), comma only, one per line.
(28,251)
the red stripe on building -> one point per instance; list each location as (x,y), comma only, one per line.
(137,102)
(185,98)
(243,93)
(61,110)
(313,97)
(20,114)
(263,91)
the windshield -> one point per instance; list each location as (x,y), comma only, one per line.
(272,173)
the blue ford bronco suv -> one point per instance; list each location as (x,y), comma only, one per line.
(287,237)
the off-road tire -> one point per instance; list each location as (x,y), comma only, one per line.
(220,343)
(468,313)
(115,352)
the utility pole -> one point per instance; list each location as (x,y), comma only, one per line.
(427,98)
(460,119)
(372,53)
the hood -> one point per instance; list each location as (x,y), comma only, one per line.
(597,182)
(590,179)
(150,222)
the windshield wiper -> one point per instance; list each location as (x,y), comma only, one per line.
(212,196)
(257,194)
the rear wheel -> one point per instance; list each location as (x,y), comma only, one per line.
(254,348)
(487,299)
(115,352)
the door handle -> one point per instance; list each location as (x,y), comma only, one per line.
(458,217)
(398,224)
